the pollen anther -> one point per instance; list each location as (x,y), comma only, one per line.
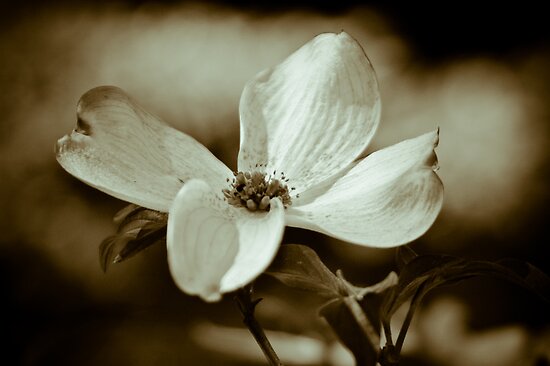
(256,190)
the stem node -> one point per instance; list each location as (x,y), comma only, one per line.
(247,306)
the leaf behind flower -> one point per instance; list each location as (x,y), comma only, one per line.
(298,266)
(138,229)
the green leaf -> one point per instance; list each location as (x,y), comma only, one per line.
(414,274)
(125,212)
(138,217)
(529,276)
(353,312)
(298,266)
(430,271)
(353,328)
(149,234)
(379,288)
(403,255)
(109,248)
(138,229)
(372,297)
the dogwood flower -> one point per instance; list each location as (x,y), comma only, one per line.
(303,125)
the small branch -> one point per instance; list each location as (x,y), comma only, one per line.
(391,354)
(246,305)
(387,354)
(407,322)
(387,332)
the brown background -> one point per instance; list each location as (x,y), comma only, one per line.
(480,74)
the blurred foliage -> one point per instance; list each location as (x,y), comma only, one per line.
(358,314)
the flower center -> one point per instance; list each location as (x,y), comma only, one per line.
(255,190)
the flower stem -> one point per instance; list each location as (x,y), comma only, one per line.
(246,305)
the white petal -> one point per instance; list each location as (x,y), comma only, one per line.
(213,247)
(313,114)
(122,150)
(390,198)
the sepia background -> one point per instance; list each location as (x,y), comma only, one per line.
(480,74)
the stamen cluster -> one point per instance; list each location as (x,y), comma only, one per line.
(255,190)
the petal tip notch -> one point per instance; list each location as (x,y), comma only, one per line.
(67,145)
(59,146)
(105,104)
(83,127)
(211,294)
(336,42)
(98,94)
(432,159)
(436,136)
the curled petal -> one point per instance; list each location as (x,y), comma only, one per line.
(215,248)
(388,199)
(122,150)
(313,114)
